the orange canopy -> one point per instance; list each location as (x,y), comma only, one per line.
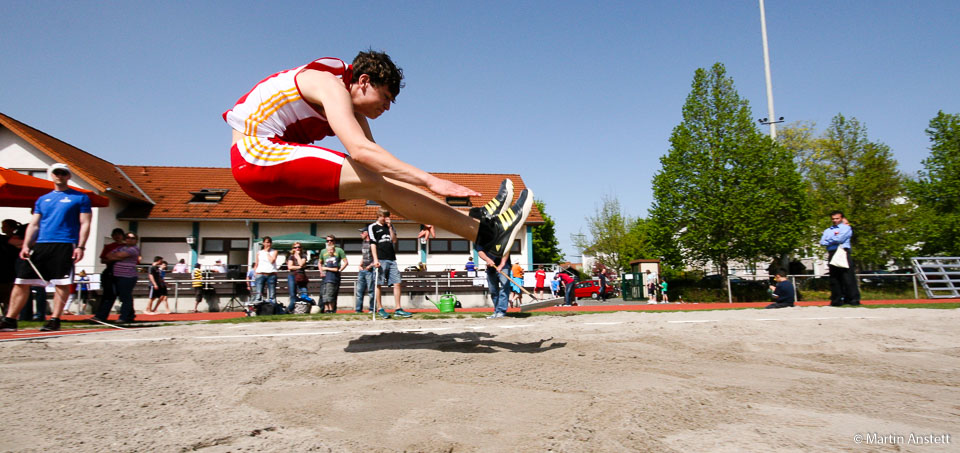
(21,191)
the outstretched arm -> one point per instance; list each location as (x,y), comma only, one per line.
(327,91)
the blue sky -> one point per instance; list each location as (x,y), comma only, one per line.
(578,97)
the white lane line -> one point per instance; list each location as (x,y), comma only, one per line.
(433,329)
(269,335)
(518,326)
(862,317)
(693,321)
(374,331)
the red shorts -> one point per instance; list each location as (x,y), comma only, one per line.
(277,173)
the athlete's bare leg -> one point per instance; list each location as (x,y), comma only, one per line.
(412,202)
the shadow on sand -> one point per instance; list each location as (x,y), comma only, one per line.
(471,342)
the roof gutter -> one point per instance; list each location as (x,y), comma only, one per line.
(147,197)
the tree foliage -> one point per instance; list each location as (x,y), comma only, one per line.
(846,171)
(616,238)
(936,190)
(546,247)
(725,191)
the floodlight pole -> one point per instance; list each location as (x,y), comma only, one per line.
(766,67)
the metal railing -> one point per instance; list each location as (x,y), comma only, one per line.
(793,281)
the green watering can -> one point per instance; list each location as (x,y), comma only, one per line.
(448,303)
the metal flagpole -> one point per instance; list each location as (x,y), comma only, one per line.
(766,67)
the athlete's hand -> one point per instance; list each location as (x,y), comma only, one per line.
(447,188)
(25,253)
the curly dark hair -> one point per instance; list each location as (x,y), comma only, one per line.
(380,68)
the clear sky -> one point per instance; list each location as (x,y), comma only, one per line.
(578,97)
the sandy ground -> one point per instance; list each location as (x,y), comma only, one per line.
(802,379)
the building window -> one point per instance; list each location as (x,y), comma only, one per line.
(351,245)
(223,245)
(407,246)
(459,201)
(456,246)
(208,195)
(516,247)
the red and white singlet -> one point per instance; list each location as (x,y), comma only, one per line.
(274,162)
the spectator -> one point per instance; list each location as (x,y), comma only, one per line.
(108,283)
(541,277)
(266,267)
(251,279)
(83,290)
(602,275)
(197,284)
(663,292)
(426,232)
(219,267)
(297,277)
(55,240)
(334,262)
(783,295)
(651,281)
(497,282)
(158,287)
(568,283)
(10,243)
(843,280)
(181,267)
(555,285)
(125,260)
(365,274)
(384,238)
(295,262)
(470,266)
(515,284)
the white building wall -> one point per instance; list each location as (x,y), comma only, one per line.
(16,153)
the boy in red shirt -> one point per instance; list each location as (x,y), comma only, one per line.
(541,277)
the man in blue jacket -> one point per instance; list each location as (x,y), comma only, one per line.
(843,280)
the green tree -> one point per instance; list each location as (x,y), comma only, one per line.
(850,173)
(936,190)
(725,191)
(546,247)
(608,235)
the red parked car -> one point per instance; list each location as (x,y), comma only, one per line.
(590,288)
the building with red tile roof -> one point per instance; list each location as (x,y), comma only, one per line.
(201,215)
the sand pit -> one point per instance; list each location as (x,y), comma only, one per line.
(802,379)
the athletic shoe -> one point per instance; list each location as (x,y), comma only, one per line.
(496,315)
(402,313)
(383,314)
(496,205)
(51,326)
(8,324)
(497,234)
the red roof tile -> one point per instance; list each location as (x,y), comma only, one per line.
(170,188)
